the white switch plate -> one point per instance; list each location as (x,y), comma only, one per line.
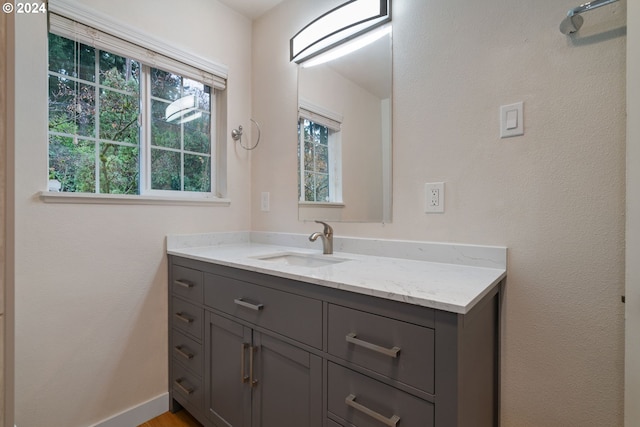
(434,197)
(511,120)
(264,202)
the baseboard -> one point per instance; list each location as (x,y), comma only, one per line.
(138,414)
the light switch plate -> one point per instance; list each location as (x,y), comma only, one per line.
(264,201)
(511,120)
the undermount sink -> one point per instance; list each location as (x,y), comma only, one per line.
(301,259)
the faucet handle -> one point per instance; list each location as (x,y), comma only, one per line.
(328,231)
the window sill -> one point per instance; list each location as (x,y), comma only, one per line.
(124,199)
(321,205)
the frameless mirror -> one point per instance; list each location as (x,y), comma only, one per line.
(344,136)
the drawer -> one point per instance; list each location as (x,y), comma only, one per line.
(187,317)
(395,349)
(187,352)
(187,283)
(294,316)
(187,387)
(365,402)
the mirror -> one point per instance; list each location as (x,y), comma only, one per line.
(344,123)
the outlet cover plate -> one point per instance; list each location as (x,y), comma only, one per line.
(434,197)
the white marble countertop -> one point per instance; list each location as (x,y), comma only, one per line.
(453,286)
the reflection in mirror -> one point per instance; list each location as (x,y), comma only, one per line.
(344,136)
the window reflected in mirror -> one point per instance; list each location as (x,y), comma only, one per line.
(347,100)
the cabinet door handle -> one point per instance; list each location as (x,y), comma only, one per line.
(183,353)
(390,422)
(187,390)
(243,376)
(242,303)
(252,380)
(184,283)
(391,352)
(184,318)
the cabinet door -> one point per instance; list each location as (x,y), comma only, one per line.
(288,391)
(228,393)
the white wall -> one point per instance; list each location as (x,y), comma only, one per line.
(632,291)
(554,197)
(91,280)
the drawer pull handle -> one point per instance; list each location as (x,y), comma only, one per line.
(391,422)
(186,390)
(391,352)
(184,284)
(184,318)
(183,353)
(243,376)
(242,303)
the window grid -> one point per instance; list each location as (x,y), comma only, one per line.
(144,137)
(314,156)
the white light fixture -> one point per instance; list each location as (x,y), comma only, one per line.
(183,110)
(348,47)
(338,26)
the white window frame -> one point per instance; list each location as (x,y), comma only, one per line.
(85,25)
(145,151)
(333,122)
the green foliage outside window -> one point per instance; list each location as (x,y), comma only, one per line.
(95,110)
(315,161)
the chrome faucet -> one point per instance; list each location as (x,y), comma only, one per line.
(327,238)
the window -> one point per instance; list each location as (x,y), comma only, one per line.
(124,120)
(319,156)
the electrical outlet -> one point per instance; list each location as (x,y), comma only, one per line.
(264,202)
(434,197)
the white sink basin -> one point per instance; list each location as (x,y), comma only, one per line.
(301,259)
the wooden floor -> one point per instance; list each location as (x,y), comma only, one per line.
(179,419)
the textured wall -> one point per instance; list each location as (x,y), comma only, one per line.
(632,291)
(554,197)
(91,280)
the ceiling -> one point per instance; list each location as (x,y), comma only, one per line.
(251,8)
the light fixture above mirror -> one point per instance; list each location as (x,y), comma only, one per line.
(342,24)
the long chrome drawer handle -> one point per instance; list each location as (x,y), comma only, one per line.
(184,283)
(184,318)
(391,352)
(183,353)
(187,390)
(242,303)
(391,422)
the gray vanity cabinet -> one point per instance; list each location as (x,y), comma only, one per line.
(255,350)
(257,380)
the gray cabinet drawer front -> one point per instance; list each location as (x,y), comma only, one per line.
(295,316)
(187,283)
(377,339)
(187,386)
(187,317)
(187,352)
(374,396)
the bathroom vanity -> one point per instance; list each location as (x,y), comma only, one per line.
(276,336)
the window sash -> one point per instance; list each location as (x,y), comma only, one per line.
(148,146)
(334,171)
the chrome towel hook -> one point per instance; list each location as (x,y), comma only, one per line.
(236,135)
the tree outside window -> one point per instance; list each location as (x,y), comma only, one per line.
(98,103)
